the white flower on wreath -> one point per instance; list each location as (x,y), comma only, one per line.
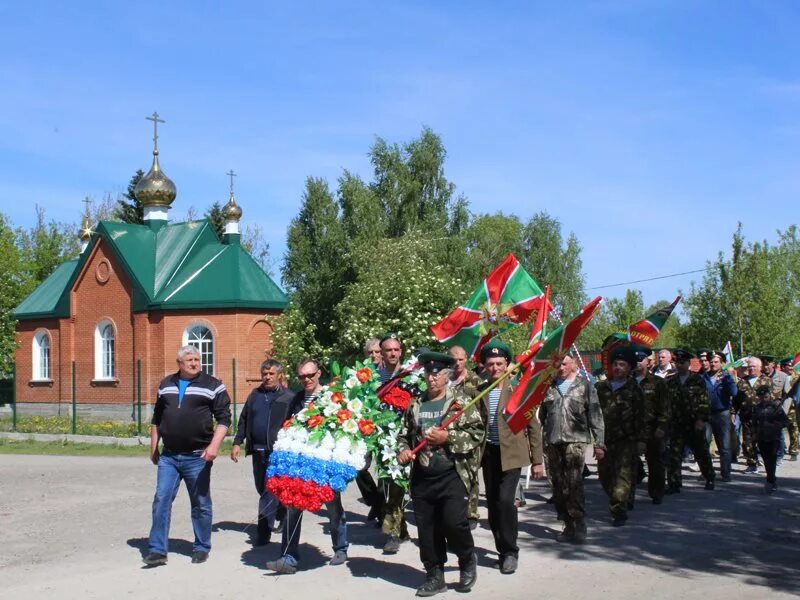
(302,416)
(351,382)
(331,409)
(350,426)
(355,405)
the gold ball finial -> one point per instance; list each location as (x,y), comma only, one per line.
(232,211)
(155,188)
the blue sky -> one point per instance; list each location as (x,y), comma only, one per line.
(648,128)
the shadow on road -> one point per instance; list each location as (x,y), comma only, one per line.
(175,546)
(375,568)
(736,530)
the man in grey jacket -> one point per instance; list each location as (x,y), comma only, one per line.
(571,418)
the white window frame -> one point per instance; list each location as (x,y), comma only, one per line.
(105,351)
(41,358)
(193,335)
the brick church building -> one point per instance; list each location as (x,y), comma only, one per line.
(120,311)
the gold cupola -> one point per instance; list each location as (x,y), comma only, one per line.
(155,191)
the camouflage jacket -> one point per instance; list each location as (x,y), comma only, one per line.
(572,417)
(465,435)
(469,385)
(656,404)
(781,384)
(747,398)
(623,411)
(688,401)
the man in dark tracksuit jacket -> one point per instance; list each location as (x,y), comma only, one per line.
(266,409)
(191,416)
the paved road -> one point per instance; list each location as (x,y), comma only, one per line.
(75,527)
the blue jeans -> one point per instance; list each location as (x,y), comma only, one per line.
(196,472)
(337,520)
(721,427)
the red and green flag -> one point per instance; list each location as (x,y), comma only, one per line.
(507,297)
(642,333)
(542,370)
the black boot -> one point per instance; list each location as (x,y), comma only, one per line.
(580,531)
(469,573)
(568,533)
(434,583)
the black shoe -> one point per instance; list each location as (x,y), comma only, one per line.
(619,521)
(278,527)
(473,524)
(198,556)
(434,583)
(658,500)
(392,545)
(709,485)
(630,505)
(262,540)
(155,559)
(726,479)
(468,574)
(263,533)
(672,490)
(551,500)
(509,564)
(580,532)
(586,472)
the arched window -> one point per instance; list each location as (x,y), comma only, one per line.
(105,351)
(41,356)
(201,338)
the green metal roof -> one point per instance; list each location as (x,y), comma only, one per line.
(47,300)
(178,266)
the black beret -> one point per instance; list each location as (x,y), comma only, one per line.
(763,389)
(682,355)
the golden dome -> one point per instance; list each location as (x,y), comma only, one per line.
(232,211)
(155,188)
(85,232)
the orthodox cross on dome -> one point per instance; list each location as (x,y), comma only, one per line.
(154,118)
(231,174)
(87,201)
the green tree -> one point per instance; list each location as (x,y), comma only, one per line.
(316,269)
(549,260)
(47,244)
(257,246)
(214,214)
(129,209)
(294,338)
(488,240)
(750,299)
(15,283)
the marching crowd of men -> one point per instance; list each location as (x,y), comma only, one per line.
(653,406)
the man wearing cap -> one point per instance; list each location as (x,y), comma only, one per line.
(745,403)
(656,409)
(781,384)
(688,399)
(571,419)
(722,390)
(505,455)
(442,475)
(622,403)
(466,382)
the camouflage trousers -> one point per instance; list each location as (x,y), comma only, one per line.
(748,443)
(394,514)
(696,440)
(565,466)
(474,492)
(793,430)
(617,472)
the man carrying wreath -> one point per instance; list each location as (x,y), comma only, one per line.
(443,472)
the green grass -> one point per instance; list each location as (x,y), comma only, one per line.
(81,448)
(63,424)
